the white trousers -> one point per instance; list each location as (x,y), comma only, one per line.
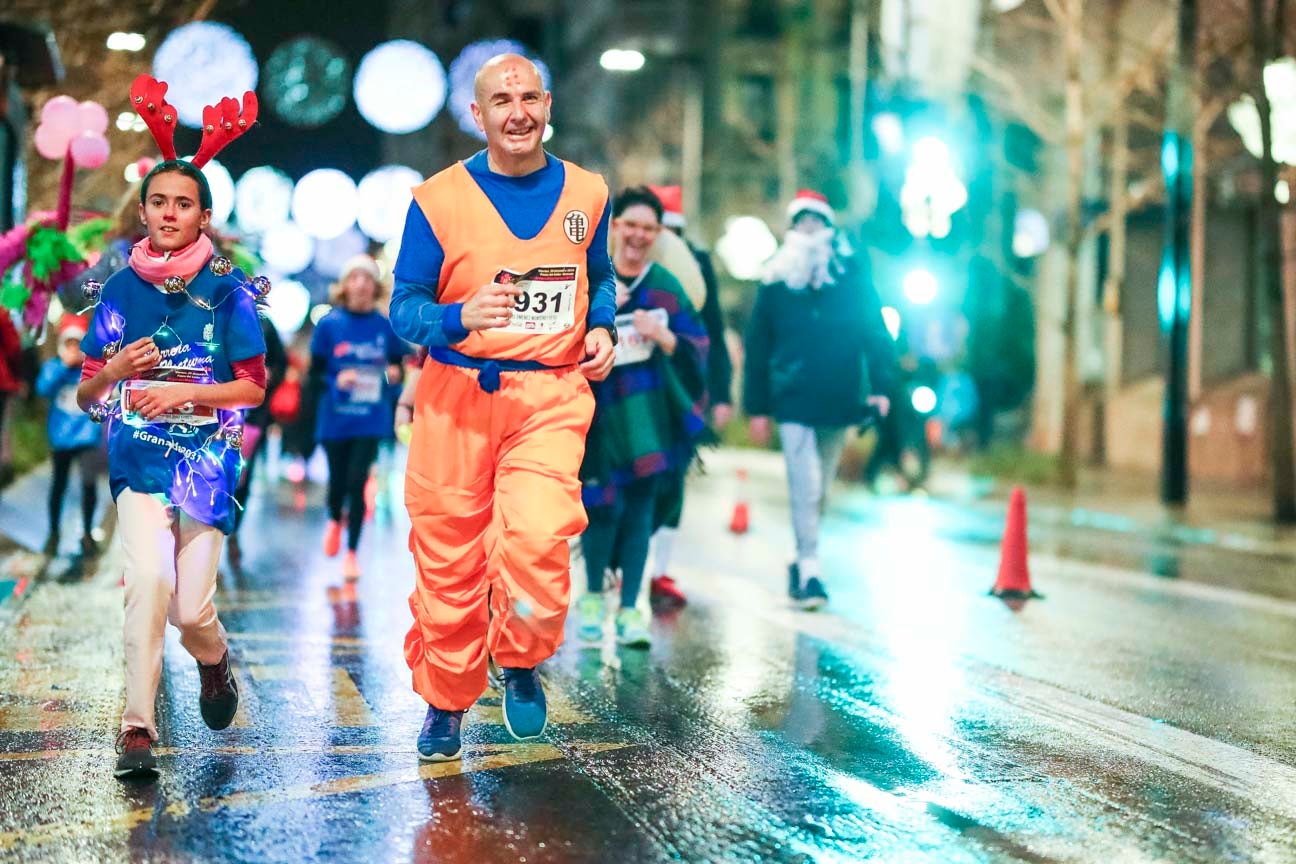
(171,562)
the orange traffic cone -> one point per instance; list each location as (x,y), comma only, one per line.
(741,518)
(1014,582)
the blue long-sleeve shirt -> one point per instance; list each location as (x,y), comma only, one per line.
(525,204)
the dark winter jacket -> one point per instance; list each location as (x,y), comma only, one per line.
(814,356)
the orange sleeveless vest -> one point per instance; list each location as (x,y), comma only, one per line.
(478,245)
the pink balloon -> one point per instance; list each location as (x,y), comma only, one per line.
(51,143)
(93,117)
(60,111)
(89,150)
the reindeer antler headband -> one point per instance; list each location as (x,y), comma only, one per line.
(222,123)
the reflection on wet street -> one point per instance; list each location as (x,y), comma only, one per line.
(1142,711)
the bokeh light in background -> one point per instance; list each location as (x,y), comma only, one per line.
(1030,234)
(288,305)
(920,287)
(889,131)
(400,86)
(262,199)
(222,190)
(330,255)
(203,62)
(306,81)
(286,248)
(464,69)
(385,195)
(891,316)
(746,245)
(325,202)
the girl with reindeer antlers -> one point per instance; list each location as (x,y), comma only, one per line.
(177,329)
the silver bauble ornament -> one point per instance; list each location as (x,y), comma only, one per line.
(221,266)
(98,412)
(261,284)
(173,284)
(92,290)
(233,436)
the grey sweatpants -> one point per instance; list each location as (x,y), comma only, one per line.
(812,454)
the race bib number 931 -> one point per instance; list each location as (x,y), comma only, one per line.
(547,302)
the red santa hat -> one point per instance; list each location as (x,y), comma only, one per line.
(808,200)
(672,199)
(72,326)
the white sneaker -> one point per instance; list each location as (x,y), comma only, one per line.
(632,631)
(590,609)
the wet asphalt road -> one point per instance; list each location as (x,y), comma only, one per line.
(1142,711)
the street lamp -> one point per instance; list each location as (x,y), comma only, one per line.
(622,60)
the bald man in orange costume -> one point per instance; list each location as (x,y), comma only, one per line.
(504,275)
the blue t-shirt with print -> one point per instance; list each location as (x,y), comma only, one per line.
(183,461)
(69,427)
(366,345)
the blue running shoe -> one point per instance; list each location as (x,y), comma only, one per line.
(525,714)
(439,740)
(813,596)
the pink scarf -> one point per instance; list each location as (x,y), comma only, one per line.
(154,268)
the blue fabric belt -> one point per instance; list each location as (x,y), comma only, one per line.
(488,371)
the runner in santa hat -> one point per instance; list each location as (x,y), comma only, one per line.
(719,380)
(172,357)
(817,354)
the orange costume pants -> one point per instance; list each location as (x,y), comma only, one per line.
(493,493)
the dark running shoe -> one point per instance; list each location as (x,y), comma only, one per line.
(218,698)
(813,596)
(439,739)
(794,582)
(525,713)
(135,755)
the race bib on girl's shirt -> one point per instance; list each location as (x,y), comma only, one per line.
(162,377)
(547,303)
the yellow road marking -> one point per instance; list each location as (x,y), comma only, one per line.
(476,758)
(479,757)
(349,706)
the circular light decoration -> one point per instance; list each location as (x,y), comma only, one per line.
(288,305)
(286,248)
(204,62)
(262,199)
(324,203)
(463,71)
(746,245)
(222,190)
(306,81)
(923,400)
(400,86)
(330,255)
(385,195)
